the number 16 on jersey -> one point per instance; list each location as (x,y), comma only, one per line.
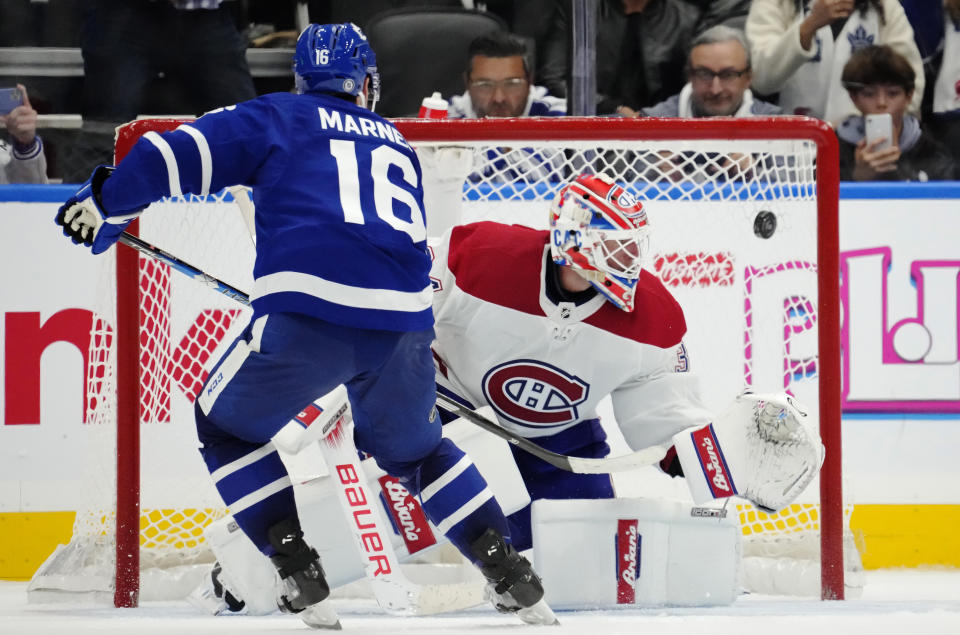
(385,191)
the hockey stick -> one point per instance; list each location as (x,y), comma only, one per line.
(185,268)
(577,465)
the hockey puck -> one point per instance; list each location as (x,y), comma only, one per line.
(765,224)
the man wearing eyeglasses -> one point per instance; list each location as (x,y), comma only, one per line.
(718,80)
(498,81)
(718,85)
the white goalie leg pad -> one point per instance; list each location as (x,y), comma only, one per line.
(325,526)
(248,574)
(631,552)
(251,576)
(327,530)
(764,448)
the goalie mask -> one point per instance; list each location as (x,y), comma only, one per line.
(601,230)
(335,58)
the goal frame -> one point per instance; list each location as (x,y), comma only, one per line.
(579,129)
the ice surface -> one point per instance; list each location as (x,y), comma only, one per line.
(894,602)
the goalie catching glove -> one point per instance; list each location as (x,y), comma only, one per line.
(763,448)
(84,219)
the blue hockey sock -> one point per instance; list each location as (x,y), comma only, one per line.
(253,482)
(455,497)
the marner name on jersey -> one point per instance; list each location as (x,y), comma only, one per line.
(361,126)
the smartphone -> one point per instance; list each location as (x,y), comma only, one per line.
(879,126)
(10,98)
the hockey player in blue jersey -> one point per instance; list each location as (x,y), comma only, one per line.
(341,296)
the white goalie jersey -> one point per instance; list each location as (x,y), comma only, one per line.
(544,366)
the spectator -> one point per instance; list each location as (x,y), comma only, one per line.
(718,80)
(641,49)
(500,84)
(194,43)
(23,160)
(799,48)
(880,80)
(718,72)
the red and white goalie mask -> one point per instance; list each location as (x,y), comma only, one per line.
(600,229)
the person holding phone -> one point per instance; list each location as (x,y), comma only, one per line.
(800,47)
(21,151)
(884,142)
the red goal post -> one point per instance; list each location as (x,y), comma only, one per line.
(505,167)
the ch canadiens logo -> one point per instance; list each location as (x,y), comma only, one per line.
(534,394)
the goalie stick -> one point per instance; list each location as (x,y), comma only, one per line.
(577,465)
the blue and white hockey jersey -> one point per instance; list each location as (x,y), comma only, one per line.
(339,203)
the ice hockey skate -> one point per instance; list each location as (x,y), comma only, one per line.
(514,587)
(303,588)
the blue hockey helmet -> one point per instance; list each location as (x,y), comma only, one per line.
(335,58)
